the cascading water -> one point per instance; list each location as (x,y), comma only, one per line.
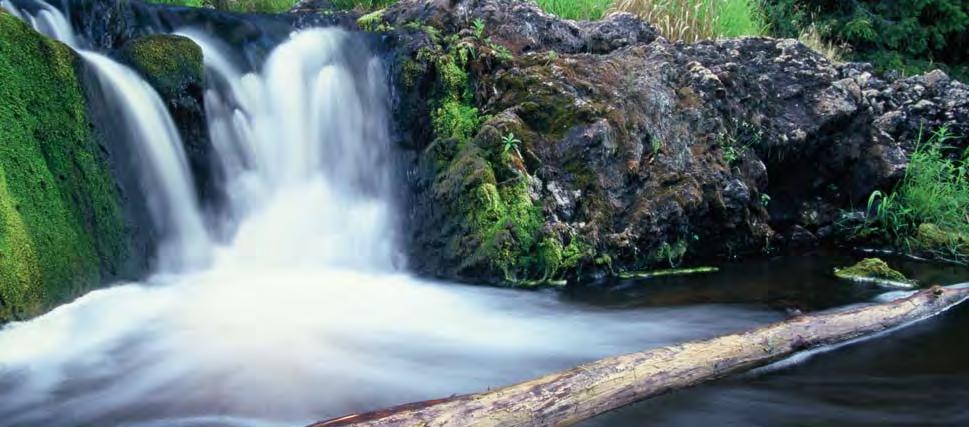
(165,178)
(302,313)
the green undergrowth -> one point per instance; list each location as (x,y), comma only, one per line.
(243,6)
(60,223)
(482,179)
(588,10)
(928,211)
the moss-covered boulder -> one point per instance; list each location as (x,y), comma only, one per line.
(874,270)
(173,65)
(61,228)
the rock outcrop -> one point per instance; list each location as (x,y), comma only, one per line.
(62,229)
(549,149)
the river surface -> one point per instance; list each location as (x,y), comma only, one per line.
(293,303)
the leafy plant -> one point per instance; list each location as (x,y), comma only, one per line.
(510,142)
(929,209)
(479,29)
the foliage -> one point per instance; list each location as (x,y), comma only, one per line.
(60,222)
(510,142)
(929,209)
(362,5)
(692,20)
(244,6)
(910,36)
(588,10)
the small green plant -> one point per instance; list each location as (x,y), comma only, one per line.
(655,144)
(765,200)
(730,154)
(479,29)
(510,142)
(551,57)
(929,209)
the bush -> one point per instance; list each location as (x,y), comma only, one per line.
(929,209)
(904,35)
(692,20)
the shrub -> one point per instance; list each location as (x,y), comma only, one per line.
(929,209)
(904,35)
(692,20)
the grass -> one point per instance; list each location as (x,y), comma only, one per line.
(588,10)
(929,209)
(812,38)
(243,6)
(693,20)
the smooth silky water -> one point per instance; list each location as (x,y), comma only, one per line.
(298,306)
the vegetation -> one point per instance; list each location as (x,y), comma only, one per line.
(929,209)
(909,36)
(588,10)
(243,6)
(692,20)
(60,223)
(873,270)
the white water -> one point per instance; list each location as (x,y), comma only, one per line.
(303,314)
(165,179)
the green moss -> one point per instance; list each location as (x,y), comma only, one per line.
(671,254)
(932,238)
(60,223)
(874,270)
(170,63)
(374,22)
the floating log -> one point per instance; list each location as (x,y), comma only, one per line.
(591,389)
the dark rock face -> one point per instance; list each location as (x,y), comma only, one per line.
(598,147)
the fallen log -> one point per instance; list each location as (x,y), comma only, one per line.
(587,390)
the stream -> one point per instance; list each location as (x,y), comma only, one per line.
(297,306)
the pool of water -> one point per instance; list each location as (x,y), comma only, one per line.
(255,346)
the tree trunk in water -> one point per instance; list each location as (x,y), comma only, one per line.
(588,390)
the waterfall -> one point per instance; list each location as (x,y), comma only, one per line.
(165,179)
(304,145)
(303,311)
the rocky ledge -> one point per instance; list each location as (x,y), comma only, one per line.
(547,149)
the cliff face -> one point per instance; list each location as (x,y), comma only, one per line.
(62,229)
(549,149)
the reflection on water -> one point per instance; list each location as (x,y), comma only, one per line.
(250,345)
(917,376)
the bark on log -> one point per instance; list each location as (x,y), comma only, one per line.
(587,390)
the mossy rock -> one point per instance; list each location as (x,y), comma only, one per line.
(169,63)
(874,270)
(61,226)
(932,238)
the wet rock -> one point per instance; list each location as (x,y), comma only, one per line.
(651,152)
(874,270)
(173,66)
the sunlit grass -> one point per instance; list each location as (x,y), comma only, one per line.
(693,20)
(588,10)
